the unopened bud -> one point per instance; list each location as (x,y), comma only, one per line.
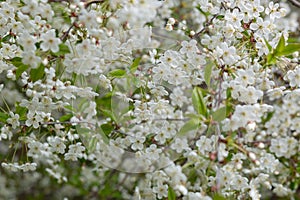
(169,27)
(252,156)
(171,21)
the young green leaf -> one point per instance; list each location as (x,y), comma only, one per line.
(289,49)
(65,117)
(271,59)
(135,65)
(268,45)
(21,111)
(63,49)
(92,143)
(219,114)
(192,124)
(3,117)
(21,67)
(101,130)
(117,73)
(281,45)
(38,73)
(107,128)
(171,194)
(198,102)
(84,134)
(207,73)
(218,197)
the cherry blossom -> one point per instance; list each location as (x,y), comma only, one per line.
(149,99)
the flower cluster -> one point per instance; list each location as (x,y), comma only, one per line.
(149,99)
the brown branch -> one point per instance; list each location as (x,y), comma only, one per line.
(295,3)
(86,5)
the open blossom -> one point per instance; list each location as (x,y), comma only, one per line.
(161,190)
(29,58)
(50,41)
(273,10)
(293,76)
(27,41)
(212,99)
(13,120)
(227,54)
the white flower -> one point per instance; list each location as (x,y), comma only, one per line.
(153,152)
(178,97)
(90,19)
(227,54)
(189,47)
(239,183)
(27,41)
(204,145)
(179,145)
(161,190)
(293,76)
(273,10)
(35,148)
(50,41)
(105,82)
(29,58)
(57,144)
(250,95)
(28,167)
(137,142)
(235,17)
(31,7)
(13,120)
(33,119)
(280,190)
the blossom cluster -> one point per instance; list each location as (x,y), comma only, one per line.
(149,99)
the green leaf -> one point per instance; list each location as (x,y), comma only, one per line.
(84,134)
(21,111)
(70,108)
(210,129)
(268,45)
(171,194)
(220,17)
(21,67)
(207,73)
(63,49)
(3,117)
(268,117)
(135,65)
(271,59)
(108,113)
(65,117)
(289,49)
(192,124)
(198,102)
(281,45)
(193,175)
(92,143)
(82,131)
(6,38)
(219,114)
(219,197)
(103,135)
(135,81)
(117,73)
(38,73)
(107,128)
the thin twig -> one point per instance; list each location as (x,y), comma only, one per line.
(295,3)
